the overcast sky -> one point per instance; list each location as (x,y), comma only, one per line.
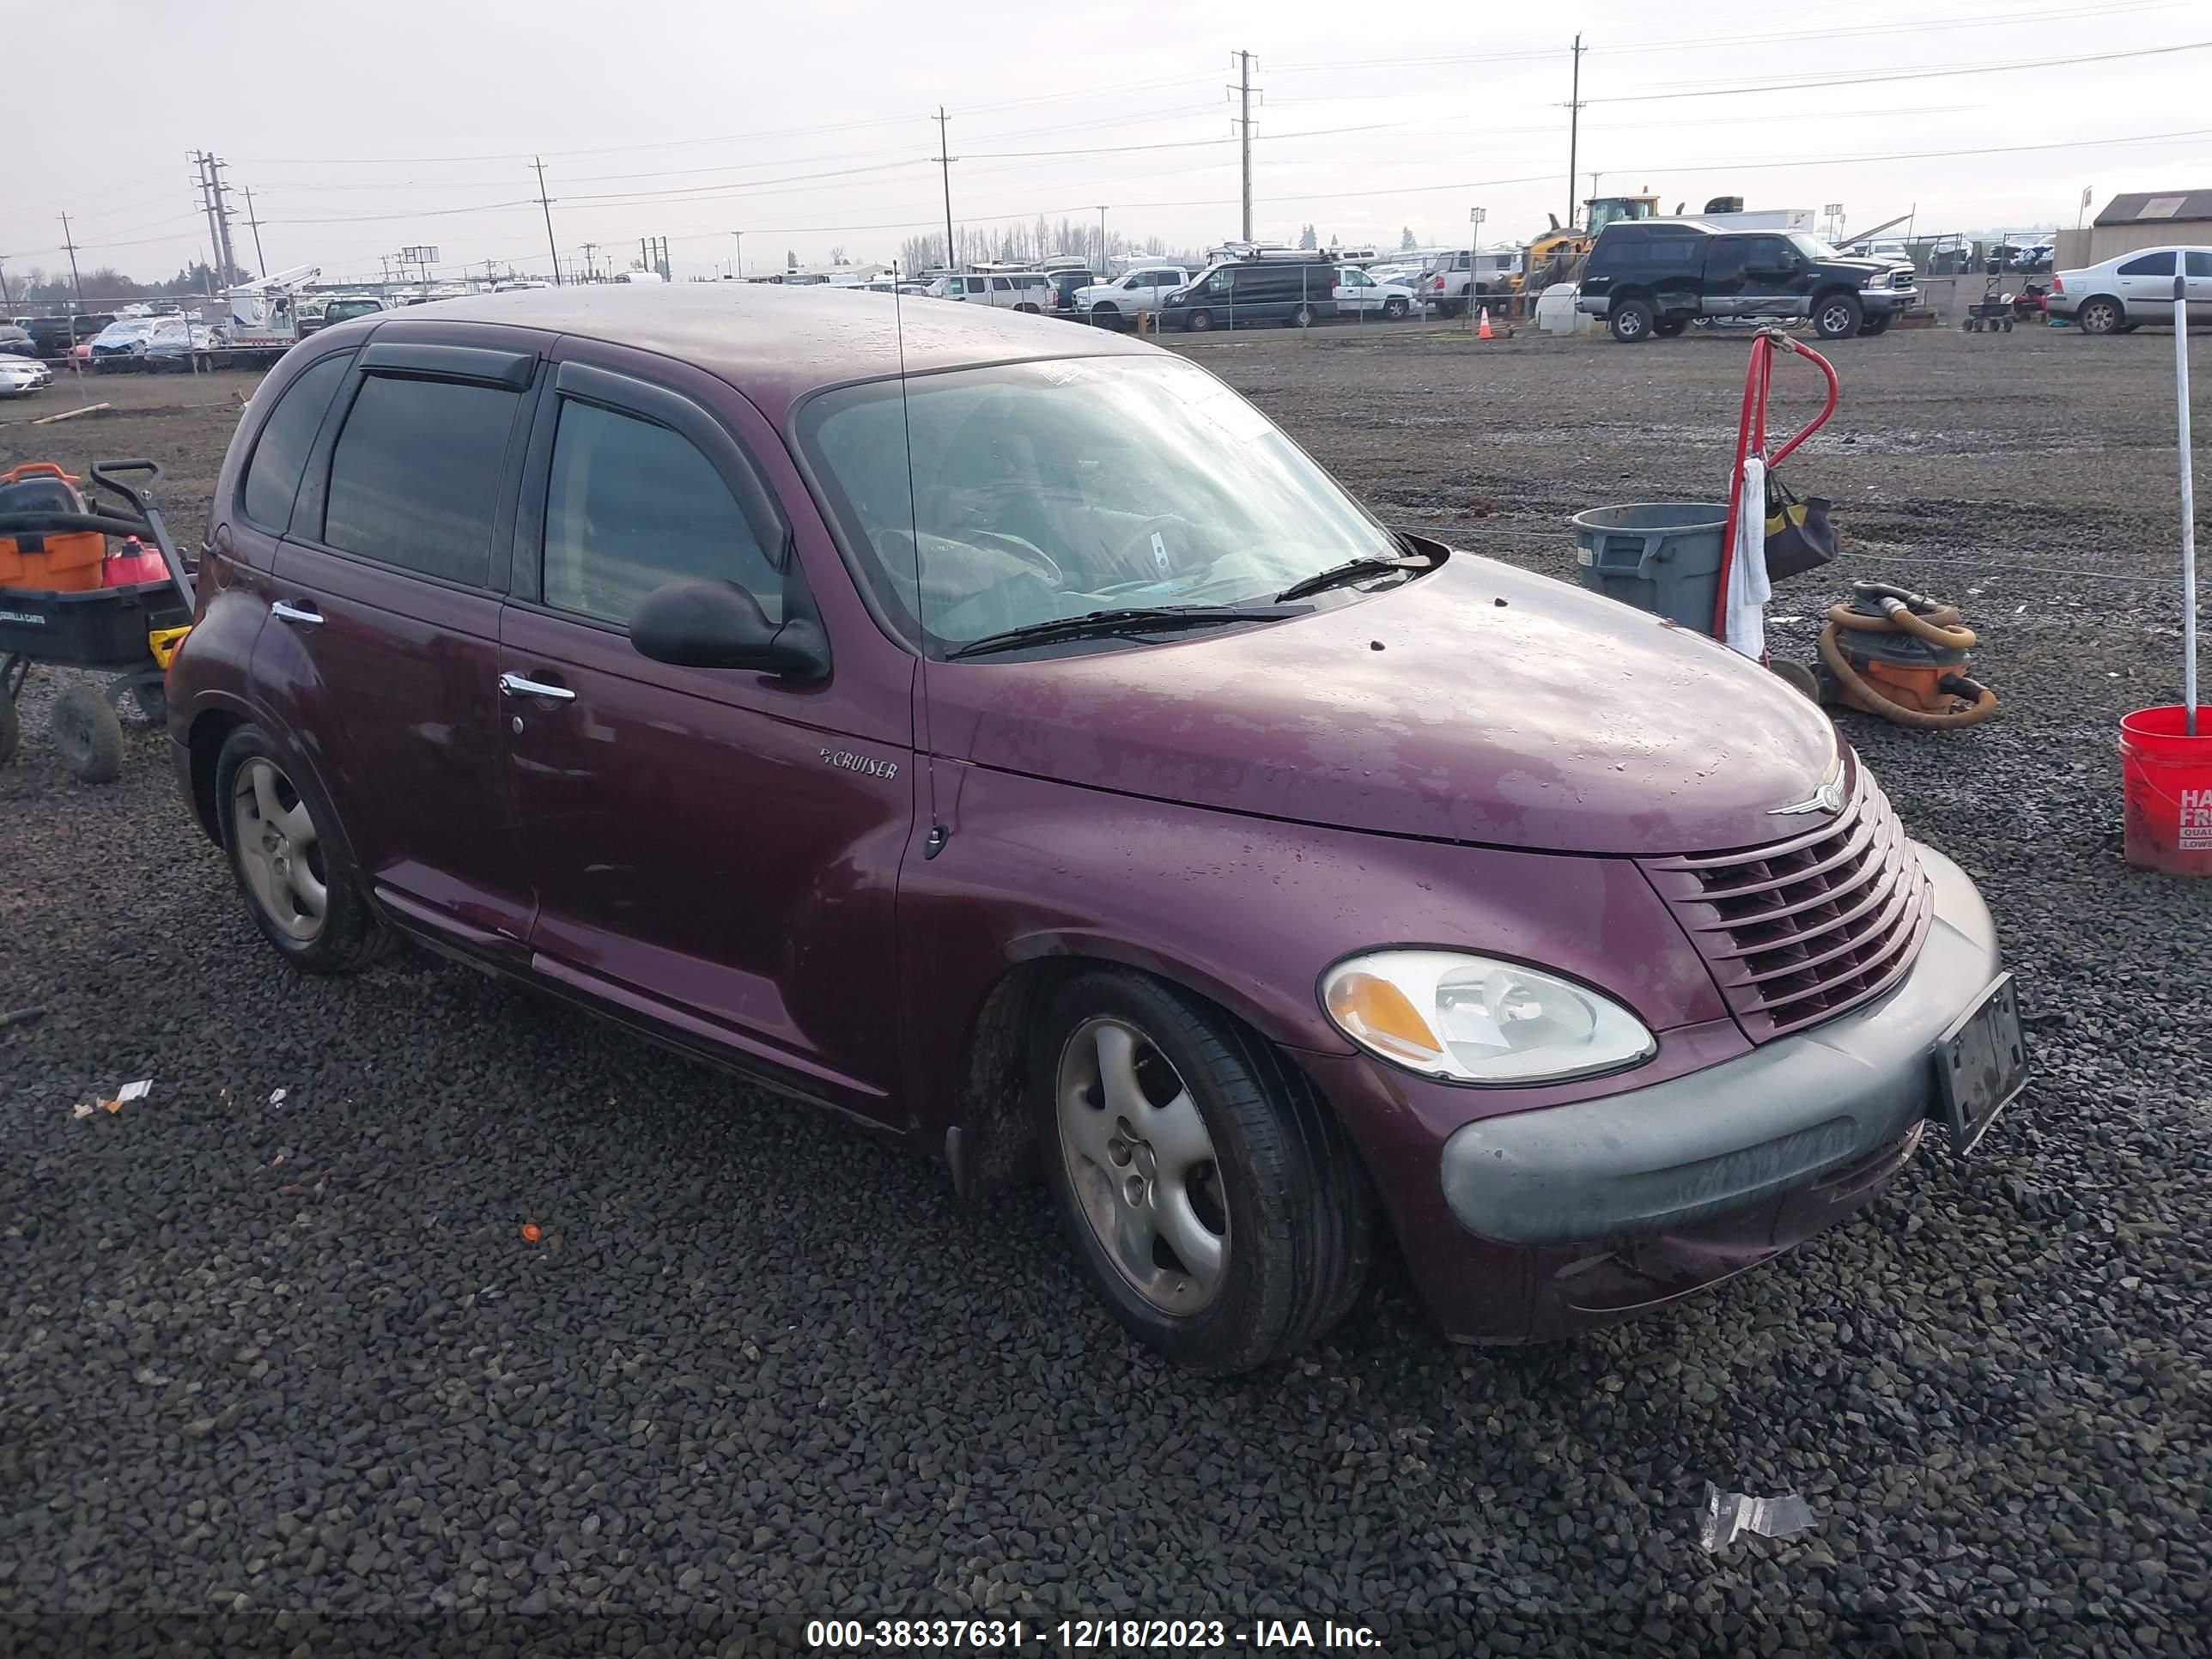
(363,128)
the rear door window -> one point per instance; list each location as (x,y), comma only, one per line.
(632,505)
(280,453)
(415,479)
(2151,264)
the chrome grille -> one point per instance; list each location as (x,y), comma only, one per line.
(1901,278)
(1801,930)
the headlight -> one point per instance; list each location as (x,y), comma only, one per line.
(1475,1020)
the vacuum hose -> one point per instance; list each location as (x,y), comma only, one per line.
(1923,618)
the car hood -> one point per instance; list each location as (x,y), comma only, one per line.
(1478,704)
(1864,267)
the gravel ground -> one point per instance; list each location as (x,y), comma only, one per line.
(282,1374)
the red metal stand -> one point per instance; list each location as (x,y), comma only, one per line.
(1751,438)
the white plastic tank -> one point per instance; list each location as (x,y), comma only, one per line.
(1556,312)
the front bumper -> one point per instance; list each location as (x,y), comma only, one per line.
(1888,298)
(1558,1218)
(1737,1134)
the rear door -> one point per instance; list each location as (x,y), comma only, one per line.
(2146,286)
(1723,292)
(383,646)
(715,851)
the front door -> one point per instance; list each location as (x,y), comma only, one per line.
(382,647)
(715,851)
(1773,279)
(2198,270)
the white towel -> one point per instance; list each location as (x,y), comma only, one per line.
(1748,587)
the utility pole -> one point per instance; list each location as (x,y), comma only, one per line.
(546,202)
(201,158)
(230,266)
(254,225)
(76,283)
(945,159)
(667,272)
(1244,90)
(1574,134)
(591,267)
(6,298)
(1102,242)
(740,260)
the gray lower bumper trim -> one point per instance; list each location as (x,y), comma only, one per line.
(1733,1135)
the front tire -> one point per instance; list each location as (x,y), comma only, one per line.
(2100,315)
(1838,317)
(1216,1207)
(1198,321)
(1629,321)
(304,894)
(1394,309)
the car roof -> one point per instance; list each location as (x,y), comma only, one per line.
(776,344)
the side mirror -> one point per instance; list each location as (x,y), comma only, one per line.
(707,624)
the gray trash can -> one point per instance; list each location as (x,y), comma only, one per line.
(1659,556)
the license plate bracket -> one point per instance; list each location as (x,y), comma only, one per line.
(1981,1065)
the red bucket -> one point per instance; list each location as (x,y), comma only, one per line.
(2166,777)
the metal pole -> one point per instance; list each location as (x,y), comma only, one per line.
(1244,128)
(545,202)
(944,160)
(1574,134)
(2188,498)
(1102,242)
(254,224)
(77,284)
(6,298)
(740,235)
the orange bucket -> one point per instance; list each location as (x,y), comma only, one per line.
(69,563)
(2167,779)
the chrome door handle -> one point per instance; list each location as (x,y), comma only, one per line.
(293,613)
(515,685)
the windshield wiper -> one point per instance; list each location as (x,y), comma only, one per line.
(1127,619)
(1353,570)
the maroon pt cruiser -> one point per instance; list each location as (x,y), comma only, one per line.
(1000,733)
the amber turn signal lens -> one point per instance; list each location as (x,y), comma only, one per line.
(1375,1012)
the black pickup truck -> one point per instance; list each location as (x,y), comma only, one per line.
(1657,275)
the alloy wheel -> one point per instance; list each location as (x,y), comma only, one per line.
(278,850)
(1142,1165)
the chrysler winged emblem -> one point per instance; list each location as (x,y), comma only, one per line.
(1828,798)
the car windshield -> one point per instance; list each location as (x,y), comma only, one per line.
(1047,490)
(1811,245)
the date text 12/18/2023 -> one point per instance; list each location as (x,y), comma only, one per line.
(1090,1635)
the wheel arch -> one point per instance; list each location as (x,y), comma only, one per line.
(995,1137)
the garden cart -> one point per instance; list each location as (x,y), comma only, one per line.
(69,600)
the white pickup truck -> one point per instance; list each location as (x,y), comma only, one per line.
(1118,302)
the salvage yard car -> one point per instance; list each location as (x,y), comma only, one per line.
(2134,288)
(1655,276)
(1036,755)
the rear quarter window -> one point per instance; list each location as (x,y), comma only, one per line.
(280,453)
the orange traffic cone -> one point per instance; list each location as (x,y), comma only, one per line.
(1483,332)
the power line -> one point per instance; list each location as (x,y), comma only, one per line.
(1722,89)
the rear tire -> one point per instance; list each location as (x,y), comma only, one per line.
(304,894)
(2100,315)
(1165,1123)
(88,734)
(1629,321)
(1667,327)
(1874,326)
(1304,317)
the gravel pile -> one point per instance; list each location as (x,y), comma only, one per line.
(279,1369)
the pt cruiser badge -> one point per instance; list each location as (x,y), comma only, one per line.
(845,760)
